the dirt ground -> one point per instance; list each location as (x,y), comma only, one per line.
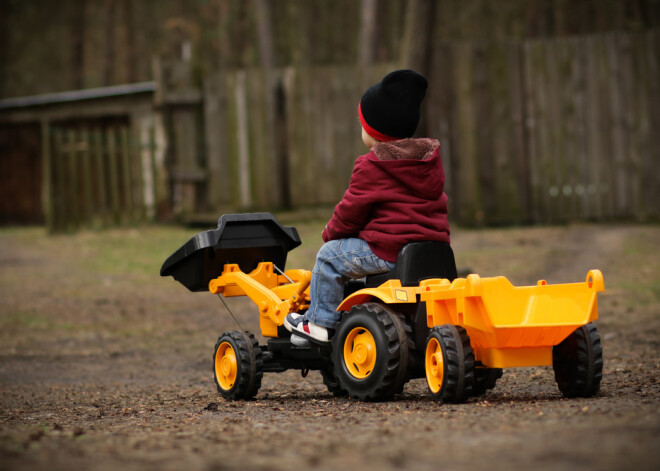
(105,365)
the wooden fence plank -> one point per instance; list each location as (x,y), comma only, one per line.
(101,177)
(519,132)
(244,177)
(439,107)
(137,175)
(534,92)
(47,176)
(466,172)
(217,135)
(611,126)
(72,190)
(594,128)
(650,182)
(579,60)
(113,169)
(59,181)
(126,185)
(88,206)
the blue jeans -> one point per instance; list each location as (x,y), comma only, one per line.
(337,262)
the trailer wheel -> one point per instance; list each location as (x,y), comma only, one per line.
(578,362)
(237,365)
(370,352)
(485,379)
(449,363)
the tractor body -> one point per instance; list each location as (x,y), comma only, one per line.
(418,320)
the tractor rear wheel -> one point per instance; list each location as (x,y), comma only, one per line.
(370,352)
(237,365)
(449,362)
(578,362)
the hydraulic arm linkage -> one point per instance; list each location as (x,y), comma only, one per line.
(275,295)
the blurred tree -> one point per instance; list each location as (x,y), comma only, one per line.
(78,42)
(264,32)
(51,46)
(368,32)
(109,62)
(417,41)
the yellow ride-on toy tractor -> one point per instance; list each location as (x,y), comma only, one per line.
(418,320)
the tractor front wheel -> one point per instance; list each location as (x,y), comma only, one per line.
(578,362)
(370,352)
(332,383)
(449,363)
(237,365)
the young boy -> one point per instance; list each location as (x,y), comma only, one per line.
(395,196)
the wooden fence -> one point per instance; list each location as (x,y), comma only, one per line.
(98,177)
(550,130)
(284,137)
(534,131)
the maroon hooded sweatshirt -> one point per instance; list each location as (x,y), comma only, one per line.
(395,196)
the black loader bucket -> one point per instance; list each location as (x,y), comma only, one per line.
(243,239)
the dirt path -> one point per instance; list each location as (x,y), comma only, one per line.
(104,365)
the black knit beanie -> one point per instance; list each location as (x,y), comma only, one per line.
(389,110)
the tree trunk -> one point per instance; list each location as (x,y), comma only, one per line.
(368,32)
(417,44)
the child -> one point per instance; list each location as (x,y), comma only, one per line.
(395,196)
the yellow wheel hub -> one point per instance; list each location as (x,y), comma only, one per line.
(360,352)
(435,365)
(225,366)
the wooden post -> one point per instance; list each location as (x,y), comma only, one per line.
(111,140)
(245,190)
(85,141)
(73,188)
(137,172)
(101,190)
(127,179)
(47,186)
(57,181)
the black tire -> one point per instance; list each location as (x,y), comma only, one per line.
(332,383)
(237,365)
(449,362)
(578,363)
(485,379)
(377,329)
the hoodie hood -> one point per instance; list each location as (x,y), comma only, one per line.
(412,162)
(413,149)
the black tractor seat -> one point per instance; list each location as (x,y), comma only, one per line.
(419,261)
(416,261)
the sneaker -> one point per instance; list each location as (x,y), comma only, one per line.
(310,331)
(292,320)
(299,341)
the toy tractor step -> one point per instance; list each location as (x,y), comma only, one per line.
(418,320)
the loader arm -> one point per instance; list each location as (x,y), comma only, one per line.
(275,295)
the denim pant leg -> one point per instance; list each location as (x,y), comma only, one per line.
(337,262)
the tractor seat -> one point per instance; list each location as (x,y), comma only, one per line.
(419,261)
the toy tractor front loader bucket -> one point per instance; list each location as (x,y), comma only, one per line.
(242,239)
(240,258)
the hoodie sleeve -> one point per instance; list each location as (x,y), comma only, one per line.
(352,213)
